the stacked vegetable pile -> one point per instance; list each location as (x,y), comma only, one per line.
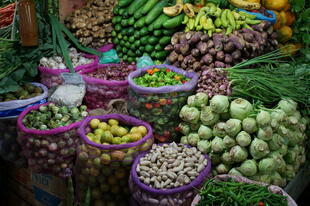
(263,144)
(232,192)
(113,133)
(24,92)
(141,27)
(92,23)
(52,116)
(57,62)
(168,174)
(196,51)
(104,168)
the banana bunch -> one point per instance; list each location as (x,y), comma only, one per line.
(212,19)
(243,4)
(178,8)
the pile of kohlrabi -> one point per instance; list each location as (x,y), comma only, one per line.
(262,144)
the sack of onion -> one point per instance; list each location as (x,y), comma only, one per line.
(48,137)
(168,174)
(51,68)
(156,95)
(109,145)
(105,83)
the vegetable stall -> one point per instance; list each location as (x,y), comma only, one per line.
(159,102)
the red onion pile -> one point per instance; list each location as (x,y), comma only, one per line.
(214,81)
(117,72)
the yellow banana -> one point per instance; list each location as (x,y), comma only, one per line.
(173,10)
(189,10)
(242,4)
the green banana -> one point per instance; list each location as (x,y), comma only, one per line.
(228,30)
(252,21)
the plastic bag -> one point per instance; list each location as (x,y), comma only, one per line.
(36,146)
(71,93)
(100,92)
(15,107)
(9,148)
(52,77)
(180,196)
(144,61)
(109,57)
(160,106)
(106,168)
(272,188)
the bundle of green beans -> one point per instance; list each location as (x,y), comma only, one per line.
(232,193)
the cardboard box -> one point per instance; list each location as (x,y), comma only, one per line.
(37,189)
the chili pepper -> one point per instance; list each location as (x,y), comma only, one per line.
(156,105)
(176,77)
(150,71)
(156,70)
(168,70)
(162,101)
(260,203)
(167,134)
(169,101)
(184,81)
(148,106)
(162,139)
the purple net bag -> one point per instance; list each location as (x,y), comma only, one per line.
(160,106)
(52,77)
(105,168)
(41,156)
(180,196)
(100,92)
(272,188)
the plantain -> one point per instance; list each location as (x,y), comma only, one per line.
(173,10)
(242,4)
(189,10)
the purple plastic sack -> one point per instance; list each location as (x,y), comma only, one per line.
(52,77)
(36,146)
(160,106)
(100,92)
(272,188)
(180,196)
(105,168)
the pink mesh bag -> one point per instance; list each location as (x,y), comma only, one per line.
(37,146)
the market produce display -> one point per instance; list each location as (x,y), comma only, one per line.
(105,168)
(105,83)
(92,23)
(25,92)
(114,133)
(160,77)
(263,144)
(141,28)
(52,116)
(223,20)
(57,62)
(231,192)
(168,174)
(196,51)
(160,105)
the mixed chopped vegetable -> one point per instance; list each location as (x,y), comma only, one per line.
(160,77)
